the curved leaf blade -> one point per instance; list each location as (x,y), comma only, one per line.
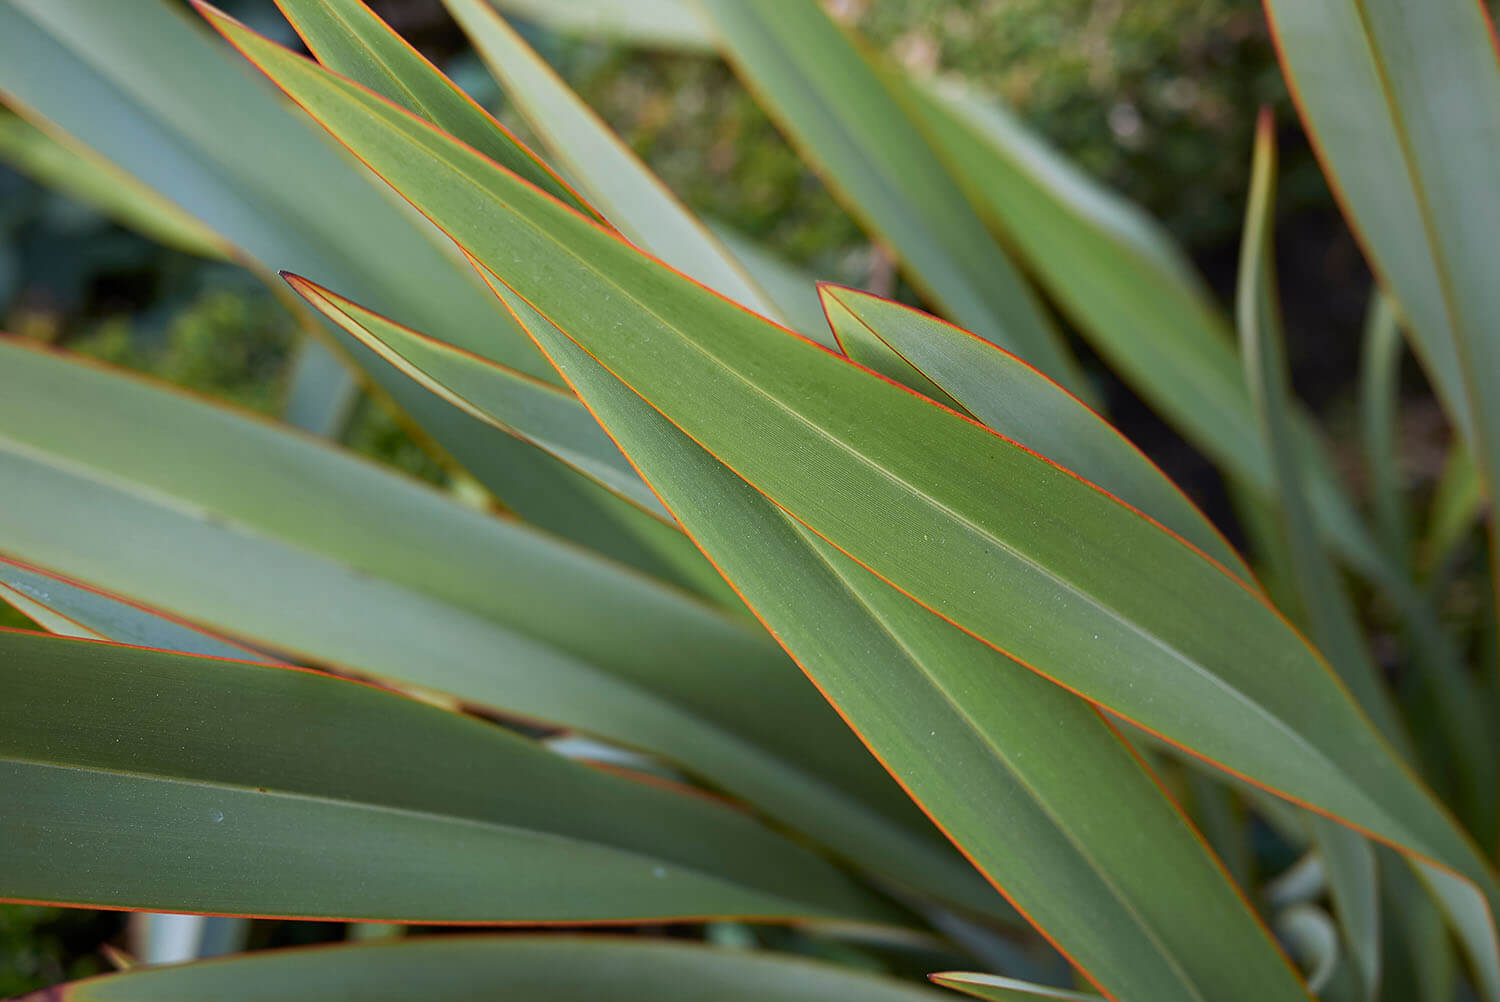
(361,803)
(923,695)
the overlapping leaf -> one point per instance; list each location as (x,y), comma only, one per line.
(73,609)
(1004,392)
(205,785)
(628,194)
(140,85)
(153,495)
(1003,543)
(838,112)
(970,734)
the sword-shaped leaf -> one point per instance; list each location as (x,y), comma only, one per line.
(139,83)
(839,113)
(1023,554)
(349,39)
(629,195)
(219,786)
(971,735)
(545,415)
(1004,392)
(1402,103)
(345,564)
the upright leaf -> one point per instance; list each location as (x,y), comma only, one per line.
(1402,102)
(348,38)
(1320,594)
(220,786)
(834,105)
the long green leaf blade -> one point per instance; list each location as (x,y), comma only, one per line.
(1320,594)
(288,792)
(528,968)
(1403,104)
(138,83)
(839,112)
(1004,392)
(91,179)
(73,609)
(631,197)
(345,564)
(349,39)
(1120,278)
(924,695)
(548,417)
(991,536)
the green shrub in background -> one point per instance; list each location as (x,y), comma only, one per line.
(1110,730)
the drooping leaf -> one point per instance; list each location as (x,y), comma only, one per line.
(625,190)
(153,495)
(1403,104)
(838,111)
(221,786)
(526,968)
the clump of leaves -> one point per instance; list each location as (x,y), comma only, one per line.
(1055,723)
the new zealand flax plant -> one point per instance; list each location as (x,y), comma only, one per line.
(769,613)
